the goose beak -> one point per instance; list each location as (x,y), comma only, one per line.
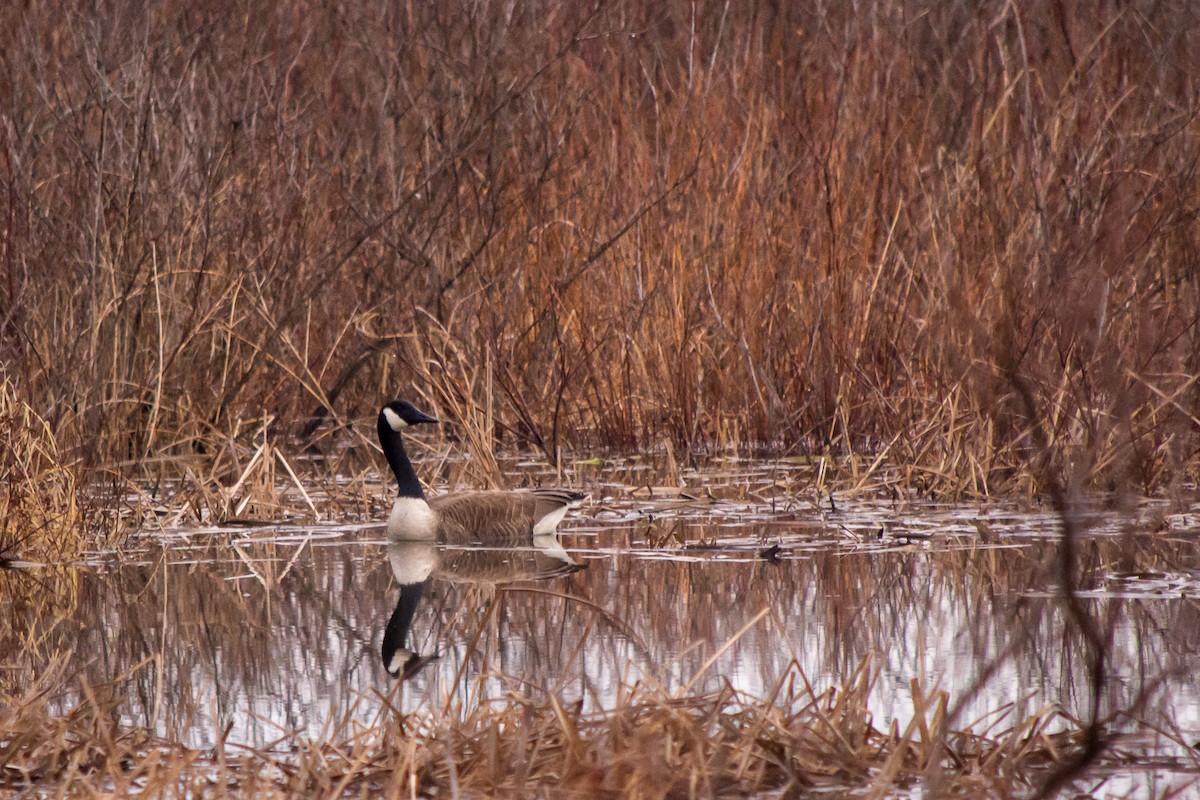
(422,417)
(417,664)
(406,664)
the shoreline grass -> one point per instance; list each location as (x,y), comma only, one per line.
(651,744)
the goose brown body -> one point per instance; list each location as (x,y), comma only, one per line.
(500,517)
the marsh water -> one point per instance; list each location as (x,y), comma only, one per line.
(740,578)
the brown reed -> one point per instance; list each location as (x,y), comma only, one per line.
(627,225)
(40,519)
(651,745)
(937,247)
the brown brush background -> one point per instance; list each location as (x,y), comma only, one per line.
(873,228)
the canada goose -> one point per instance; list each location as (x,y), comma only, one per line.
(415,562)
(467,516)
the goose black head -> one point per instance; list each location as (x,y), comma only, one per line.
(398,660)
(399,414)
(404,664)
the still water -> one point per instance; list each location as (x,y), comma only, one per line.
(256,634)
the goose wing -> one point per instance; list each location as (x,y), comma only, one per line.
(502,516)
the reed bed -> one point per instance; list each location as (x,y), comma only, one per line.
(40,516)
(651,745)
(925,248)
(819,230)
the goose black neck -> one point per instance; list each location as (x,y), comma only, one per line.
(402,468)
(396,632)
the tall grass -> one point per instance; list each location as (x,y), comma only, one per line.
(826,228)
(40,517)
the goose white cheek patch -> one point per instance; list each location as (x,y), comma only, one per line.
(394,420)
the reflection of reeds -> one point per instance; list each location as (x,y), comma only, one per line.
(728,225)
(650,745)
(270,651)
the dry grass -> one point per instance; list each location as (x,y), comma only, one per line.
(935,247)
(40,518)
(651,745)
(628,225)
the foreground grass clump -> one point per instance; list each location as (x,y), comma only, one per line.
(651,745)
(40,519)
(945,234)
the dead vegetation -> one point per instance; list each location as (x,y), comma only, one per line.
(935,248)
(651,745)
(621,225)
(40,518)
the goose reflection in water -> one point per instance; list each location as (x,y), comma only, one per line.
(414,564)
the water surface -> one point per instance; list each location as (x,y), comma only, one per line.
(255,634)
